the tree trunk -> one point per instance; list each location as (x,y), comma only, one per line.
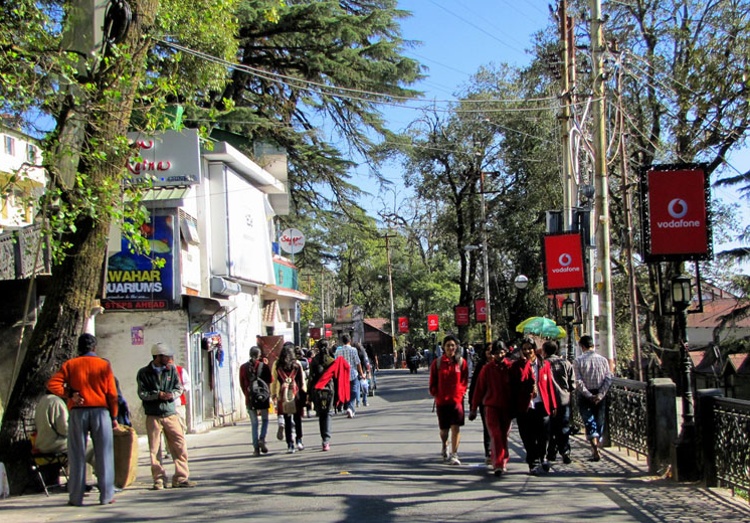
(77,280)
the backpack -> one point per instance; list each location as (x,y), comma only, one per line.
(289,391)
(259,393)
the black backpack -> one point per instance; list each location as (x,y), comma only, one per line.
(259,393)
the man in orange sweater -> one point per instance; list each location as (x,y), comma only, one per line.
(88,384)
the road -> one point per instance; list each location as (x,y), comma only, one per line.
(385,465)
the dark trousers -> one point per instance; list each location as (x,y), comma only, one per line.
(486,433)
(559,437)
(324,422)
(533,426)
(296,426)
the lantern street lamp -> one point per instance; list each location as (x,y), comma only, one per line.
(521,282)
(569,314)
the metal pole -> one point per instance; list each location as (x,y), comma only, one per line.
(571,349)
(606,324)
(488,319)
(390,287)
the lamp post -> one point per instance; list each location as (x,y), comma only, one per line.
(685,448)
(521,282)
(569,314)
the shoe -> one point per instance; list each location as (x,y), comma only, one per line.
(498,472)
(185,484)
(326,446)
(158,485)
(566,459)
(110,502)
(488,460)
(256,451)
(71,504)
(533,470)
(545,466)
(262,446)
(300,446)
(280,433)
(349,413)
(595,456)
(453,460)
(291,449)
(444,453)
(366,404)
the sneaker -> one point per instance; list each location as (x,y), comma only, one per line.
(349,413)
(533,470)
(326,446)
(185,484)
(454,460)
(444,453)
(566,459)
(291,449)
(300,446)
(280,433)
(262,446)
(158,485)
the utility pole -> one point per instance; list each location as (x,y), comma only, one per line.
(390,287)
(569,185)
(601,185)
(485,261)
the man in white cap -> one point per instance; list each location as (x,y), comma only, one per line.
(159,387)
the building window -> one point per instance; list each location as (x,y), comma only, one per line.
(281,277)
(31,153)
(10,145)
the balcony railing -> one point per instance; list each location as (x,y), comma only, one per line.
(21,255)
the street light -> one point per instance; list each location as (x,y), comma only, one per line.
(488,316)
(686,443)
(521,282)
(569,314)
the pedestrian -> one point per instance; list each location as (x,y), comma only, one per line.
(255,381)
(159,389)
(533,384)
(593,379)
(351,356)
(564,384)
(449,379)
(305,364)
(323,399)
(483,357)
(285,389)
(364,385)
(88,384)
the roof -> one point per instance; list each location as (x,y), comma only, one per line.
(740,363)
(714,310)
(378,324)
(287,293)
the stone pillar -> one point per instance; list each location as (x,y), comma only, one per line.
(662,424)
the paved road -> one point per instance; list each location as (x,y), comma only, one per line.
(384,466)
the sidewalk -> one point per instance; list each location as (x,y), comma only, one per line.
(384,465)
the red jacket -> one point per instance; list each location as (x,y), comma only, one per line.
(448,380)
(493,387)
(338,370)
(523,383)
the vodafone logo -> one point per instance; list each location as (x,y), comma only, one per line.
(565,260)
(677,208)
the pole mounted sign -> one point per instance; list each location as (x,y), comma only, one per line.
(461,315)
(433,322)
(675,202)
(480,311)
(564,265)
(403,325)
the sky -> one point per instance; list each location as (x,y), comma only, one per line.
(457,37)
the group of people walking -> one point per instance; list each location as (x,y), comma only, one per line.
(533,385)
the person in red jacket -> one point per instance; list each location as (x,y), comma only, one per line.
(493,390)
(533,383)
(449,379)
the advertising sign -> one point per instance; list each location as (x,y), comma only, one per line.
(143,281)
(315,333)
(292,241)
(433,322)
(461,315)
(169,159)
(403,324)
(480,311)
(677,223)
(564,265)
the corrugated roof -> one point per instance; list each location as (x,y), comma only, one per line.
(714,310)
(378,323)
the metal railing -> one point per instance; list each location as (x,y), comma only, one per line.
(21,256)
(627,415)
(726,431)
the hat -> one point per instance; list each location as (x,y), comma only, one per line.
(161,349)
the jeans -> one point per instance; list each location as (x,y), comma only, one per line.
(254,425)
(354,395)
(593,417)
(324,421)
(97,422)
(559,438)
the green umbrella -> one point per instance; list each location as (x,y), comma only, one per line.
(553,333)
(535,325)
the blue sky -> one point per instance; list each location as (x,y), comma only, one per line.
(457,38)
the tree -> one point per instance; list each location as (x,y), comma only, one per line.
(85,157)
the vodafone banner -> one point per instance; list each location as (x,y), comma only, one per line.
(403,324)
(461,315)
(677,223)
(433,322)
(564,266)
(480,311)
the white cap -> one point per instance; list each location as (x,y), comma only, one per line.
(161,349)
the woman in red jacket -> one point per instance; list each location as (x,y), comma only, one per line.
(533,383)
(449,379)
(493,391)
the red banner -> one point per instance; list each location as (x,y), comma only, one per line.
(678,225)
(461,315)
(403,324)
(329,332)
(480,311)
(315,333)
(433,322)
(564,266)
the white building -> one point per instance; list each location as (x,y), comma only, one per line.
(21,177)
(212,233)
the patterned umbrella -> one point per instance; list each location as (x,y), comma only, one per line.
(536,325)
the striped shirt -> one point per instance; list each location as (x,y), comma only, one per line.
(592,374)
